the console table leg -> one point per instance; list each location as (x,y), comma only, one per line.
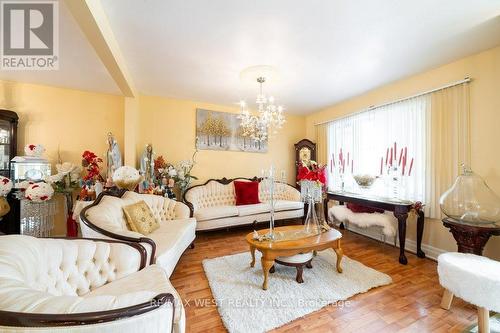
(420,232)
(402,217)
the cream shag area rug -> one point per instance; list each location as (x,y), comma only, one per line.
(246,308)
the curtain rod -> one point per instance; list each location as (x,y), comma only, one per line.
(371,107)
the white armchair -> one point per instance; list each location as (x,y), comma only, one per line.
(83,285)
(105,219)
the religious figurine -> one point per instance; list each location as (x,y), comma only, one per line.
(113,157)
(148,164)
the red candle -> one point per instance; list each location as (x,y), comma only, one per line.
(390,160)
(400,157)
(387,156)
(411,166)
(333,159)
(395,151)
(381,164)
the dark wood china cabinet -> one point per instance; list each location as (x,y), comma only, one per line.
(8,140)
(9,224)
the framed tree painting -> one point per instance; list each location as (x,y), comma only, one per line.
(222,131)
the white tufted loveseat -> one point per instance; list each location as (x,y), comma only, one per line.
(213,204)
(105,219)
(83,285)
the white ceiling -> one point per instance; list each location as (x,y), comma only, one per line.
(79,65)
(326,50)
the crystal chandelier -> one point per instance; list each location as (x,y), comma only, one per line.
(269,118)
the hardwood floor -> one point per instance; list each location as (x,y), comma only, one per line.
(409,304)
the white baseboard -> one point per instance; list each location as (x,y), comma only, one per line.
(431,252)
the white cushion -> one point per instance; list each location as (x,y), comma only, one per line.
(473,278)
(172,239)
(153,280)
(216,212)
(246,210)
(297,259)
(241,220)
(282,205)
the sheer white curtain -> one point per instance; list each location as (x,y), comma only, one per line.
(365,137)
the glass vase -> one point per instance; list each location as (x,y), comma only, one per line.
(312,225)
(470,200)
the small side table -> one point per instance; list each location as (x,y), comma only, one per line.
(471,238)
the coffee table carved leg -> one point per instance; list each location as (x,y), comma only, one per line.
(298,278)
(309,264)
(272,270)
(266,266)
(340,253)
(252,252)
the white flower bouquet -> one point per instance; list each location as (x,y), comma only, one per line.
(5,186)
(35,150)
(39,192)
(127,177)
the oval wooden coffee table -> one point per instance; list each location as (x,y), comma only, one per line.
(272,249)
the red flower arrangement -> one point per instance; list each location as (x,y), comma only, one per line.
(91,163)
(313,172)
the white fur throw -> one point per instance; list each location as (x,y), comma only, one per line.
(364,220)
(473,278)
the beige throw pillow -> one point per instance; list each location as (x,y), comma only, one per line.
(140,218)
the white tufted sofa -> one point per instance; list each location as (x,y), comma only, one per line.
(105,219)
(83,285)
(213,204)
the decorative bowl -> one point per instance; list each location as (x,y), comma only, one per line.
(364,181)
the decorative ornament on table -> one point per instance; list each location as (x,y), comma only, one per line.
(5,188)
(272,185)
(148,165)
(34,150)
(127,177)
(113,158)
(312,180)
(39,192)
(471,200)
(90,161)
(398,169)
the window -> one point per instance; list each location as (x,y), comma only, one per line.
(365,137)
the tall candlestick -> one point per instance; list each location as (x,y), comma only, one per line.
(352,166)
(400,157)
(390,158)
(395,151)
(387,156)
(381,164)
(347,158)
(411,166)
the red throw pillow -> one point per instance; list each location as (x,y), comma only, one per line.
(355,208)
(247,193)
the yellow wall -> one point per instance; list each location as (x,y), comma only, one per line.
(484,69)
(170,125)
(65,119)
